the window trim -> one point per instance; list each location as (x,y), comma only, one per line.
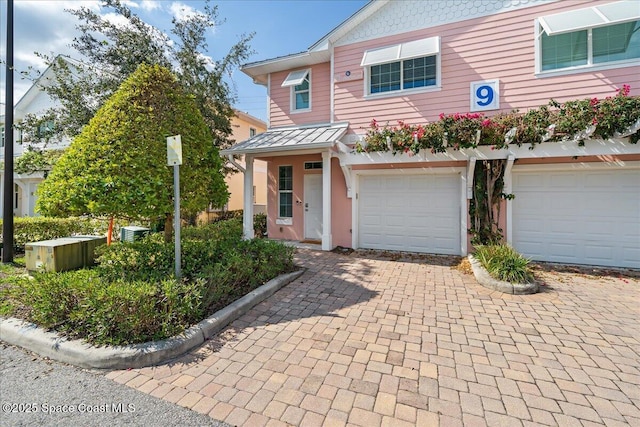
(313,165)
(404,51)
(590,66)
(292,94)
(279,217)
(394,93)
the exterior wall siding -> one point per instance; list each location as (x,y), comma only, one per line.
(280,99)
(492,47)
(241,125)
(340,204)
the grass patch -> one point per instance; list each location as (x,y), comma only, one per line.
(504,263)
(131,295)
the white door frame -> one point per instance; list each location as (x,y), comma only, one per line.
(309,198)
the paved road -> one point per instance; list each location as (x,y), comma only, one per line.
(29,382)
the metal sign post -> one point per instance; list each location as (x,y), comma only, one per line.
(174,158)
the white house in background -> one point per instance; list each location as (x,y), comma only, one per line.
(34,101)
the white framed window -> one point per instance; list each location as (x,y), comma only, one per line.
(404,68)
(300,83)
(285,191)
(45,129)
(252,132)
(598,37)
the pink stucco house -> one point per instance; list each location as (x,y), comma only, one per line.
(413,60)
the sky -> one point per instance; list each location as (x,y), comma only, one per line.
(280,27)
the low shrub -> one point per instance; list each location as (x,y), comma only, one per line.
(82,304)
(260,225)
(131,296)
(259,221)
(504,263)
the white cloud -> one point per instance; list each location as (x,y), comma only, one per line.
(115,19)
(209,63)
(182,11)
(146,5)
(150,5)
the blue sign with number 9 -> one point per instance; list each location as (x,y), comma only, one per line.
(484,94)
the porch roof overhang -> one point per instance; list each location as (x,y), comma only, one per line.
(290,140)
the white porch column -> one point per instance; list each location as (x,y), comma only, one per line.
(326,201)
(507,189)
(248,198)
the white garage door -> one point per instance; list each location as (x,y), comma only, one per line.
(578,217)
(415,213)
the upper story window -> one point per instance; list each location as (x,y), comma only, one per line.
(252,132)
(45,129)
(408,67)
(300,84)
(601,36)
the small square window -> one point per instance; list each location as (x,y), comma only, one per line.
(300,84)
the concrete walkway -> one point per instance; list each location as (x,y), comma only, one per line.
(371,341)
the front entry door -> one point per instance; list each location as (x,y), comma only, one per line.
(313,207)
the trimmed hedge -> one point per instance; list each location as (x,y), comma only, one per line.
(132,296)
(35,229)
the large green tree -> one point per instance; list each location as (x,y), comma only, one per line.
(112,48)
(117,166)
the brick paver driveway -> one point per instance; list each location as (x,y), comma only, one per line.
(363,340)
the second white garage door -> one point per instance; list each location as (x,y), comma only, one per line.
(415,213)
(578,216)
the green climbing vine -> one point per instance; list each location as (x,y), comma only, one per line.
(484,207)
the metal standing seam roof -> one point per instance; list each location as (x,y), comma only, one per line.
(288,139)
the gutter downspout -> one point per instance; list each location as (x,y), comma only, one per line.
(234,163)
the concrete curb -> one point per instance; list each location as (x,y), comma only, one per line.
(79,353)
(484,278)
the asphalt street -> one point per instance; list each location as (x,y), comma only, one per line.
(39,392)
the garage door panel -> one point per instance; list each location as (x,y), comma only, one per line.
(598,252)
(578,216)
(631,254)
(419,213)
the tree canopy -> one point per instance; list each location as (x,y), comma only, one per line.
(117,166)
(111,49)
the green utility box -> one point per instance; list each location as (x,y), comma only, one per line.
(67,253)
(132,233)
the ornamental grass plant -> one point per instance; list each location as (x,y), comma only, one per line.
(504,263)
